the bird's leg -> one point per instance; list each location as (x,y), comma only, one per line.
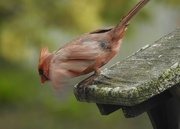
(84,83)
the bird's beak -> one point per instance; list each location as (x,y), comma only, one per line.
(42,79)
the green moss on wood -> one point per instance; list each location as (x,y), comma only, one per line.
(148,72)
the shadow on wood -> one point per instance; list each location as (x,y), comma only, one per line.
(166,115)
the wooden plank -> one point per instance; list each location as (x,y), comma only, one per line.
(148,72)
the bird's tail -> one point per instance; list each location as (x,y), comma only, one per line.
(126,19)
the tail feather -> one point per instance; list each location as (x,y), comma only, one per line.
(126,19)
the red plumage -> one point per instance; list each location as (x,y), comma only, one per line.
(84,54)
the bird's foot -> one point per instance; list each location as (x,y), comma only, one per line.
(81,86)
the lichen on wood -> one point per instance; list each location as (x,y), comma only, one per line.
(148,72)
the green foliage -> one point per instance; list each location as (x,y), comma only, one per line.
(26,24)
(13,85)
(174,3)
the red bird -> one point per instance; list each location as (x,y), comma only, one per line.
(85,54)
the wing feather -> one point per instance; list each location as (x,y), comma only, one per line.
(69,61)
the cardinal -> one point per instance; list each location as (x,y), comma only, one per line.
(85,54)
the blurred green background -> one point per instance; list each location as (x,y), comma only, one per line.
(27,24)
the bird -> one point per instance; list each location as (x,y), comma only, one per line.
(85,54)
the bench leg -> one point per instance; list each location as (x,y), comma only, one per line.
(166,115)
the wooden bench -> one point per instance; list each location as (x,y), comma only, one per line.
(147,81)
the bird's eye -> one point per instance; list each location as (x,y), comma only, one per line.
(41,71)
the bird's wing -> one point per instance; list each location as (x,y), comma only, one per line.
(70,61)
(102,30)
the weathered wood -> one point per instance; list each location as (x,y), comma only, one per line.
(147,73)
(166,115)
(133,111)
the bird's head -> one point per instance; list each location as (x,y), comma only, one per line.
(43,65)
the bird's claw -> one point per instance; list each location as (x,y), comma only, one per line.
(81,86)
(80,91)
